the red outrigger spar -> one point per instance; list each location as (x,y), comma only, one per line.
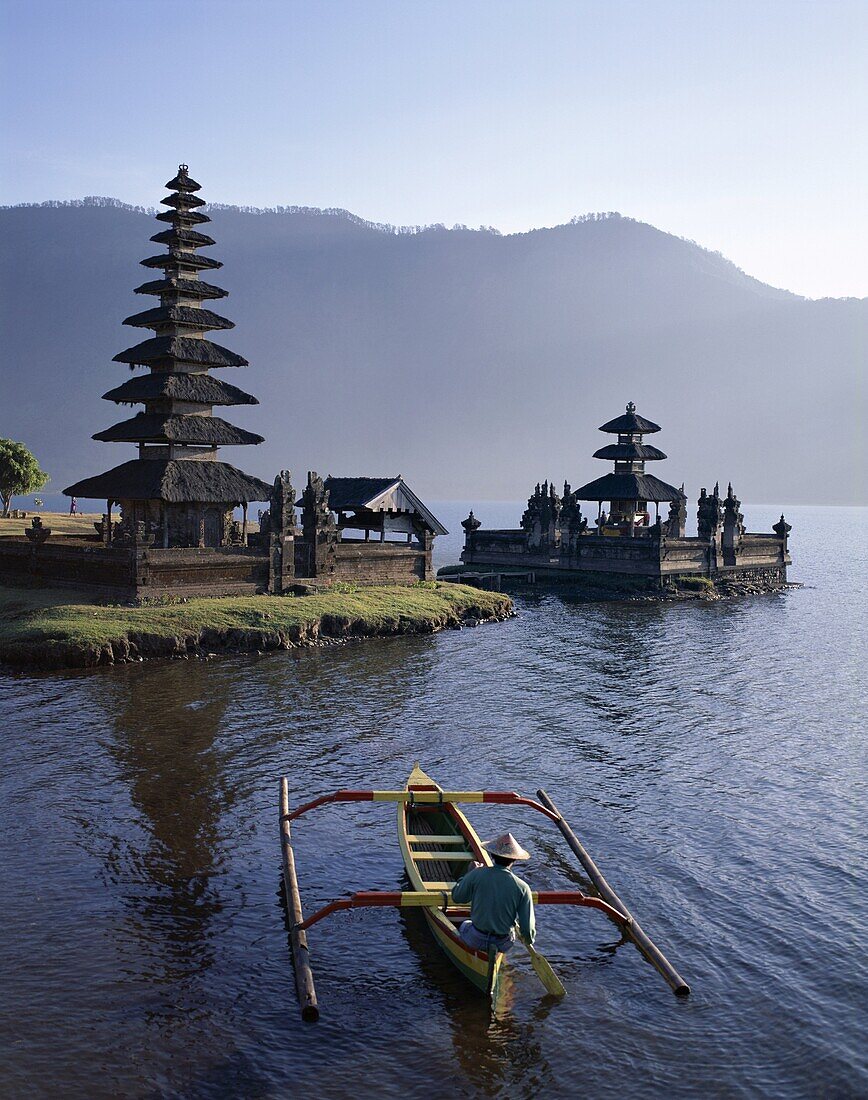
(437,841)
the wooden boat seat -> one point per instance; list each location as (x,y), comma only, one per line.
(420,824)
(435,838)
(448,857)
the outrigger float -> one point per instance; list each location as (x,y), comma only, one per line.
(437,844)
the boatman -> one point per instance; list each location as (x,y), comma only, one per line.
(498,899)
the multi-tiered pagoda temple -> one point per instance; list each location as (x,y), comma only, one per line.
(177,492)
(177,535)
(629,489)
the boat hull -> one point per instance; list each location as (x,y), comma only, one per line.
(433,865)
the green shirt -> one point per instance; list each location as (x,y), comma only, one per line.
(498,900)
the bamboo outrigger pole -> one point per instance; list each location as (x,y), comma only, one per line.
(300,952)
(631,929)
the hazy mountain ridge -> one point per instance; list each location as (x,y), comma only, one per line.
(473,362)
(718,263)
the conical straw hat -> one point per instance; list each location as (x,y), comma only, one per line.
(507,847)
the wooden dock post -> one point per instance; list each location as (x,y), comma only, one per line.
(631,930)
(300,952)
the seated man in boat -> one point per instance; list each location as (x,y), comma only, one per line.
(498,899)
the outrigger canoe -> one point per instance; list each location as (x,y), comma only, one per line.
(438,844)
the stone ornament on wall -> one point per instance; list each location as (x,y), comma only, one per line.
(279,529)
(571,523)
(319,528)
(709,514)
(676,521)
(541,518)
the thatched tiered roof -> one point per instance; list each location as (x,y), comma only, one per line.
(180,349)
(630,422)
(629,482)
(191,429)
(181,316)
(619,452)
(177,258)
(178,394)
(183,202)
(173,481)
(628,487)
(183,181)
(183,238)
(197,387)
(181,288)
(182,217)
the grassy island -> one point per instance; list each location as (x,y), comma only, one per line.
(56,628)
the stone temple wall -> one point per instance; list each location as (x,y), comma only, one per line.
(133,573)
(650,558)
(274,564)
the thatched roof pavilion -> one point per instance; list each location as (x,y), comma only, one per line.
(379,504)
(176,487)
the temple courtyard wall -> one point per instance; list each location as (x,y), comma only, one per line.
(362,562)
(641,564)
(138,573)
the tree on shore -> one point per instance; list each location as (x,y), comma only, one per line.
(20,473)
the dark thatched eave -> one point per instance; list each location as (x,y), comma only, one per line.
(201,320)
(201,388)
(175,258)
(209,431)
(356,492)
(182,217)
(620,452)
(174,481)
(183,182)
(186,349)
(180,238)
(182,201)
(628,487)
(188,288)
(630,422)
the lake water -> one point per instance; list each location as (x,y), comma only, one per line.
(710,755)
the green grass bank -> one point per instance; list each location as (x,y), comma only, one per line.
(59,628)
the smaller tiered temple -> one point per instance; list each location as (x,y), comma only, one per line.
(629,489)
(624,549)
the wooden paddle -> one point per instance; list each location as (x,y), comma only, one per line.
(545,973)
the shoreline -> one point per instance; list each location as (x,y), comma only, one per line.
(47,629)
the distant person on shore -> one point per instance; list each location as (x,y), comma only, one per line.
(73,507)
(498,899)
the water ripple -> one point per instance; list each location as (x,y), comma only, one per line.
(712,757)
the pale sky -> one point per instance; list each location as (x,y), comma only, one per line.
(739,125)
